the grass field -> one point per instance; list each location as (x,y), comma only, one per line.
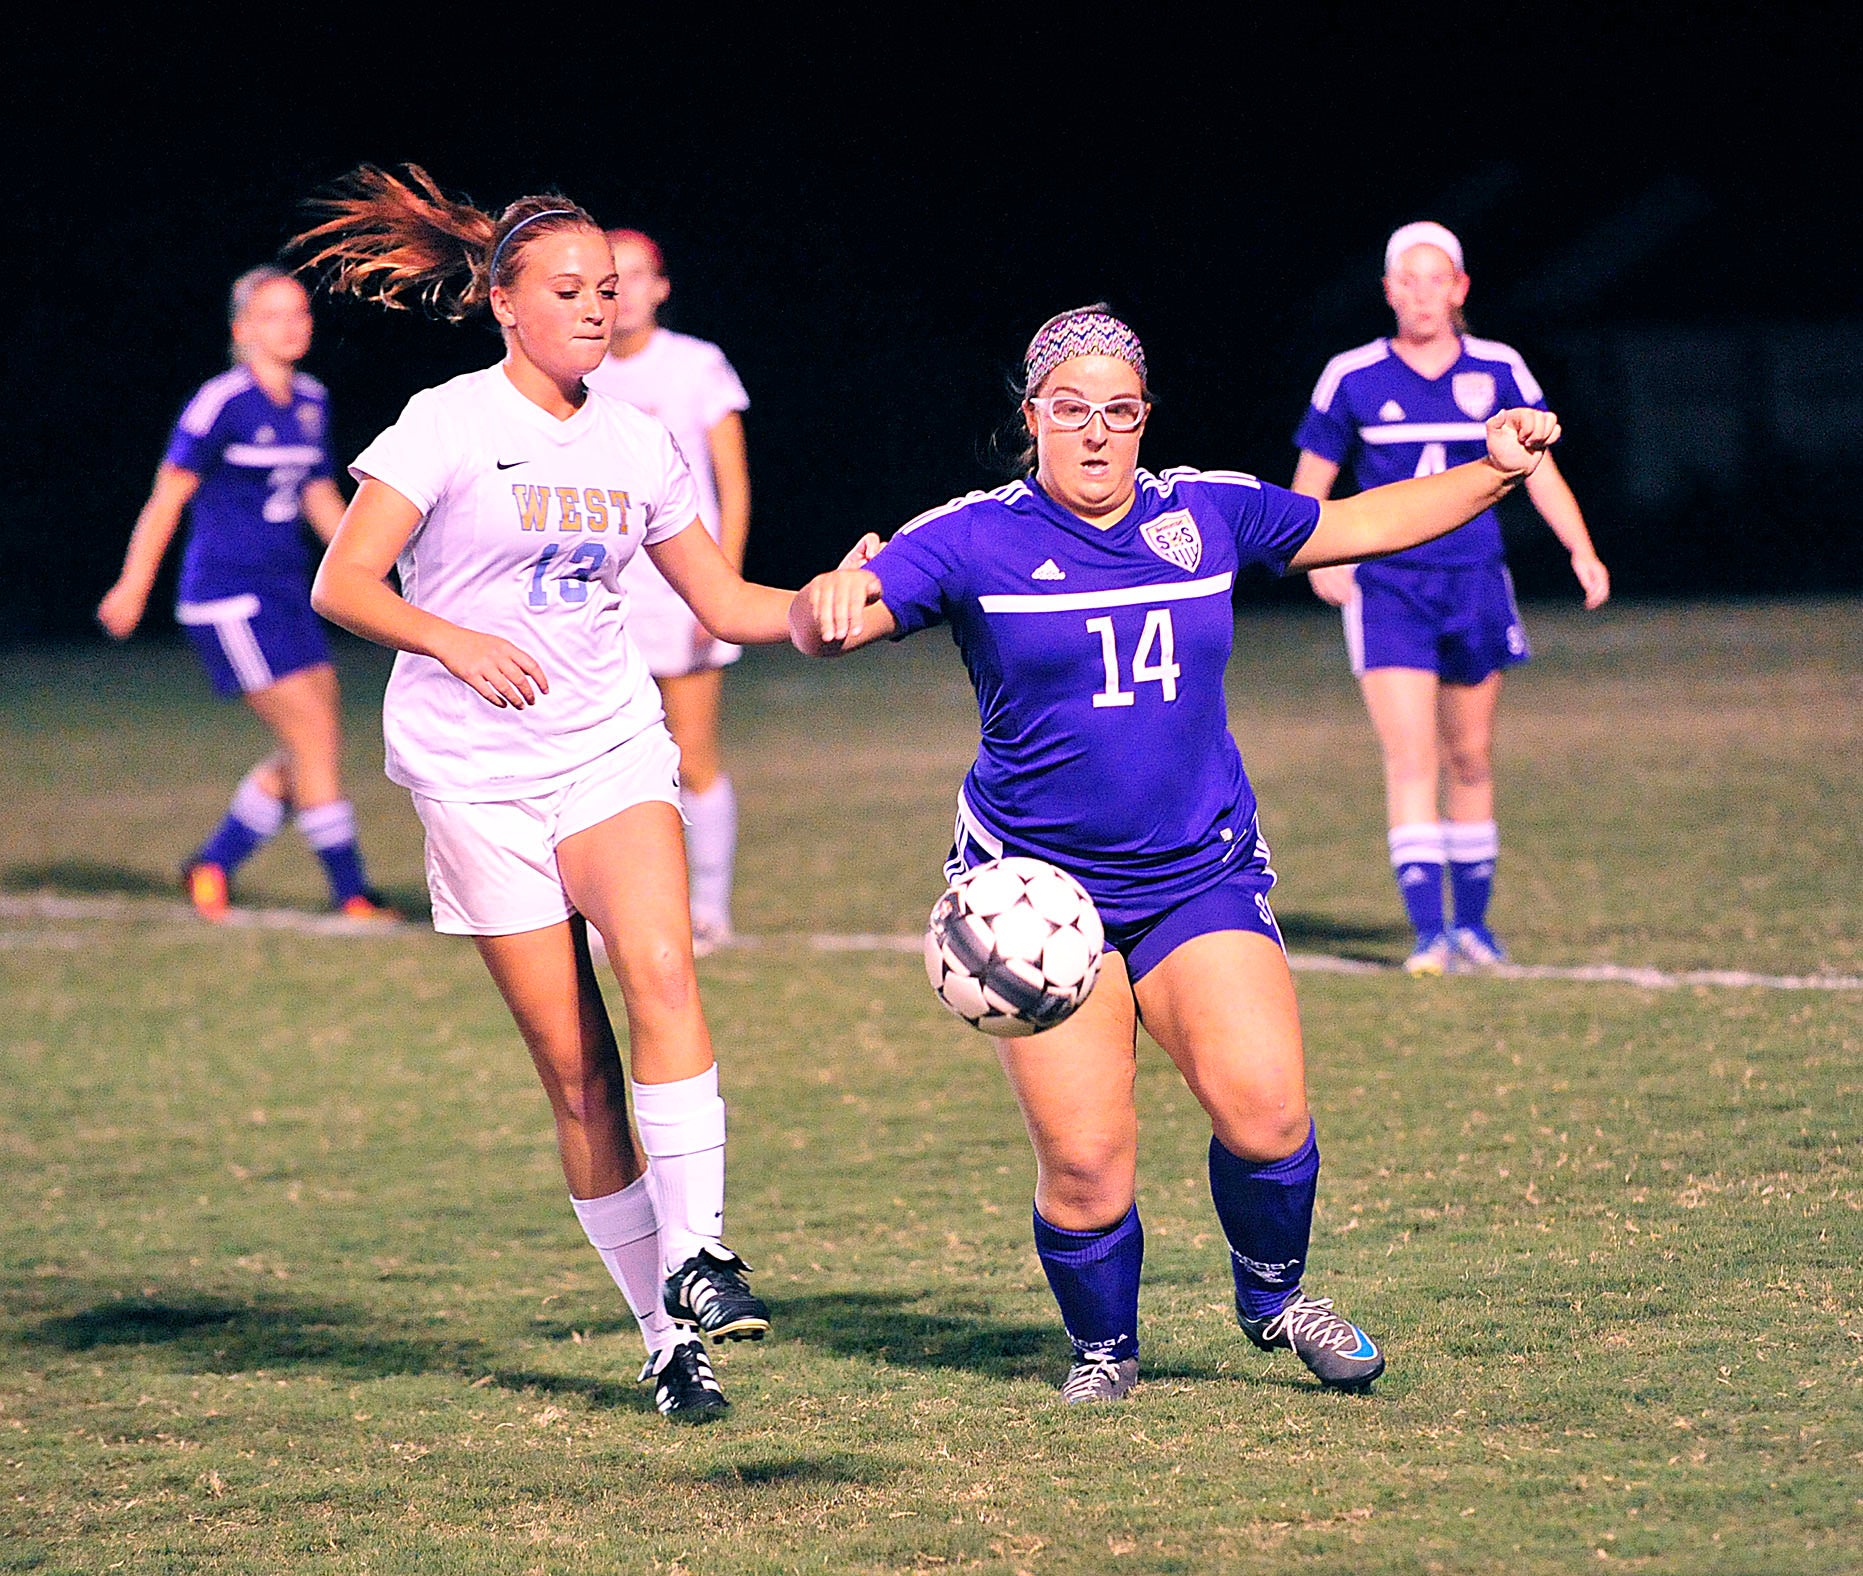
(288,1281)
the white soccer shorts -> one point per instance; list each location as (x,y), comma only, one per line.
(491,867)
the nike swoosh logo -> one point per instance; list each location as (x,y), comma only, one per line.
(505,465)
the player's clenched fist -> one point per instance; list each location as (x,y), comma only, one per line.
(1517,438)
(121,611)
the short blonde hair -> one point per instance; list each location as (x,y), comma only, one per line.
(245,287)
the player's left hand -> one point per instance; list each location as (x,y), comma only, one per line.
(1593,577)
(830,605)
(1517,438)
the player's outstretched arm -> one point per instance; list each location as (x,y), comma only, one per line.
(124,603)
(1553,497)
(352,589)
(729,606)
(1402,514)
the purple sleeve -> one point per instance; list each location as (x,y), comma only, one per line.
(325,468)
(1514,394)
(922,570)
(1271,524)
(196,445)
(1328,433)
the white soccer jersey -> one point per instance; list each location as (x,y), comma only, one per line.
(527,523)
(687,384)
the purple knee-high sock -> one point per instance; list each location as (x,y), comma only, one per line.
(252,820)
(1417,864)
(1266,1208)
(1095,1278)
(1473,848)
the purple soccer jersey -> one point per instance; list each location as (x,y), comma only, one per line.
(253,458)
(1392,423)
(1097,658)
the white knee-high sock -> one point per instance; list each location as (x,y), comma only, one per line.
(623,1228)
(682,1128)
(711,851)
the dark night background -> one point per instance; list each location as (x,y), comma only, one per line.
(871,215)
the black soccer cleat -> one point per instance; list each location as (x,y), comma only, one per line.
(684,1388)
(708,1291)
(1340,1354)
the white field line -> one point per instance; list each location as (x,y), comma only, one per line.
(51,906)
(144,910)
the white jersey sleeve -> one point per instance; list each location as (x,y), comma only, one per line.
(416,456)
(677,504)
(719,391)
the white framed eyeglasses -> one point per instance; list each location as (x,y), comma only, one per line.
(1070,412)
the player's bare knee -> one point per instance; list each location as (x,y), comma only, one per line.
(1082,1209)
(1265,1135)
(1089,1178)
(659,979)
(1470,768)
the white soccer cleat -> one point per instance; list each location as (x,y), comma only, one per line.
(1433,956)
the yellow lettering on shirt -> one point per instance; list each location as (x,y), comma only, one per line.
(620,501)
(571,500)
(596,502)
(533,507)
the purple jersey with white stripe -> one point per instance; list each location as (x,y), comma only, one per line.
(1392,423)
(1097,658)
(253,458)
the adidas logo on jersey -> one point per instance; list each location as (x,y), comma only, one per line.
(1049,570)
(1390,410)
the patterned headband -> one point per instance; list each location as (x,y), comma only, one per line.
(498,251)
(1085,331)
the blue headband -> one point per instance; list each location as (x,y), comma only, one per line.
(498,251)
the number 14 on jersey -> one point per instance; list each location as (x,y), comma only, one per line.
(1155,661)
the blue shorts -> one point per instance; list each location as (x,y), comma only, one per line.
(1237,901)
(1460,624)
(250,641)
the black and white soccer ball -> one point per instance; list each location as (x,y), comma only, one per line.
(1014,946)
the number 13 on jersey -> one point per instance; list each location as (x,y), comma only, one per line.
(1154,662)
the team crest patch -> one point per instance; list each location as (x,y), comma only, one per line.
(1474,393)
(1174,538)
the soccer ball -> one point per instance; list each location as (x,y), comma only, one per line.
(1014,946)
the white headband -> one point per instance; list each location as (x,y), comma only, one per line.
(1423,233)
